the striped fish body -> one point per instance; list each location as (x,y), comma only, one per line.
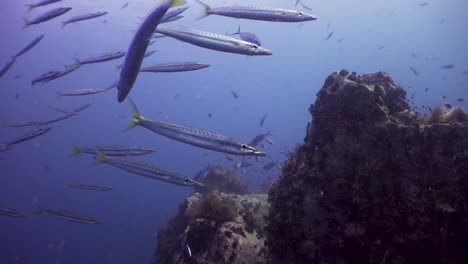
(10,212)
(30,45)
(213,41)
(47,16)
(175,67)
(261,13)
(29,135)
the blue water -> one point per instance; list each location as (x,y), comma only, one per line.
(34,173)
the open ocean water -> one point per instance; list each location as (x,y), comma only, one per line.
(421,44)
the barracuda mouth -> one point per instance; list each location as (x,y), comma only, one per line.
(260,153)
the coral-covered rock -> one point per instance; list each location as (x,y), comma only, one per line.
(233,237)
(220,179)
(372,183)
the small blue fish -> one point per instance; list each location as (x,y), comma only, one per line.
(248,36)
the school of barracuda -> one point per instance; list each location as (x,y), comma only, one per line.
(150,28)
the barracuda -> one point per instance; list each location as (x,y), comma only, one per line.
(197,137)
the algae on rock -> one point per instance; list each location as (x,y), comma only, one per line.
(372,183)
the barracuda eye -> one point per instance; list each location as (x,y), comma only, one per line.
(186,180)
(254,46)
(300,14)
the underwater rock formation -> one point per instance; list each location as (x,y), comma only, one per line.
(221,179)
(372,183)
(218,228)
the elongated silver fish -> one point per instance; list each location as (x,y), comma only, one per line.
(147,170)
(213,41)
(259,138)
(81,92)
(61,110)
(58,118)
(170,19)
(175,67)
(10,212)
(7,66)
(67,70)
(52,75)
(30,45)
(174,13)
(102,58)
(24,124)
(271,165)
(44,77)
(258,13)
(147,54)
(196,137)
(27,136)
(136,50)
(47,16)
(66,114)
(83,17)
(69,216)
(89,187)
(263,119)
(41,3)
(113,150)
(82,107)
(75,110)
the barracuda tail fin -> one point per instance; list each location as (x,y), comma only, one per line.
(76,150)
(136,116)
(100,157)
(63,25)
(40,211)
(30,7)
(178,2)
(205,11)
(26,23)
(3,147)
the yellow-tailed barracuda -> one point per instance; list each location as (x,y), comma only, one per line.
(147,170)
(197,137)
